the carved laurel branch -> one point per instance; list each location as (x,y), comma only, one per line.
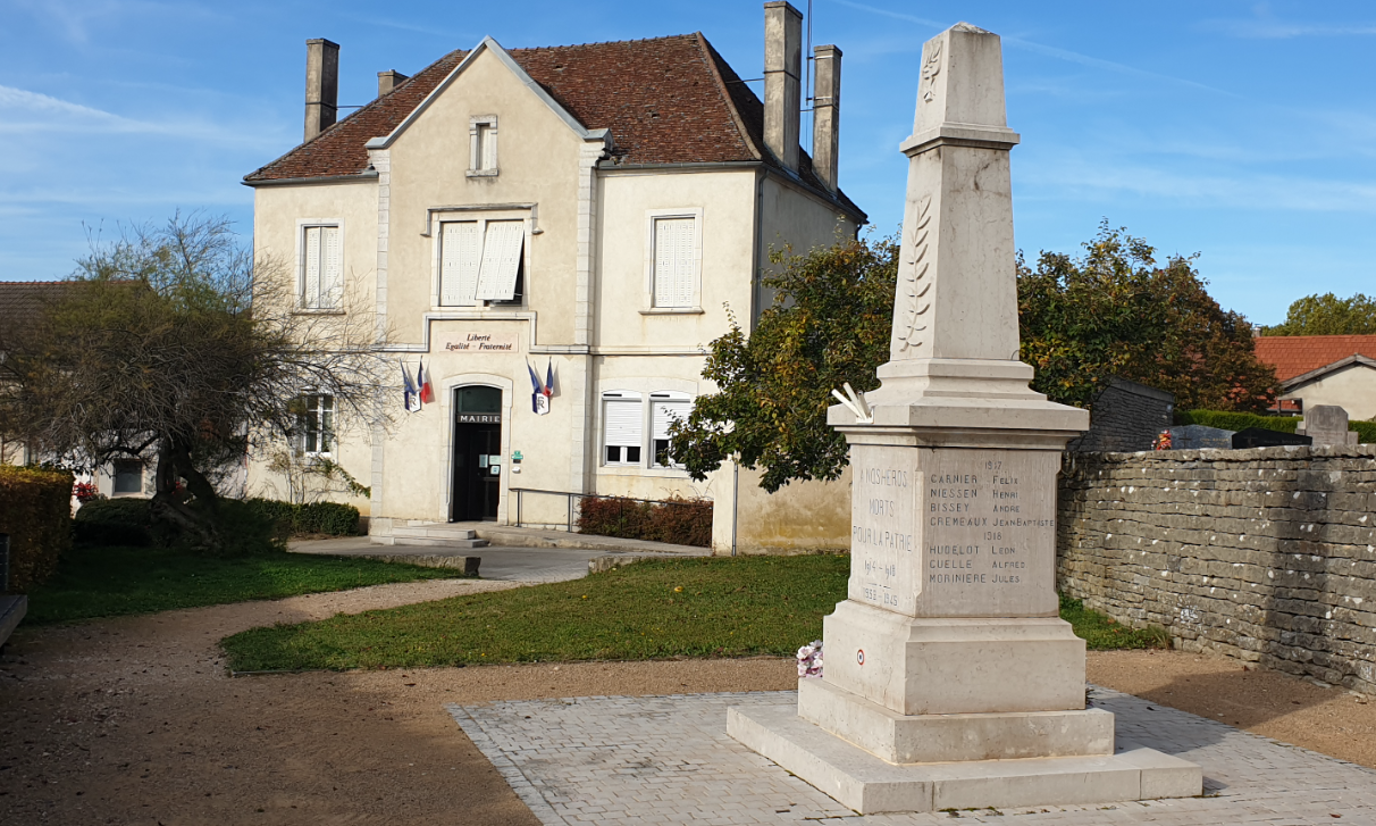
(930,70)
(914,287)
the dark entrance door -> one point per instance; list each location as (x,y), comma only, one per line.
(477,453)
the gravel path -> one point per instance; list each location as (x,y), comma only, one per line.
(134,720)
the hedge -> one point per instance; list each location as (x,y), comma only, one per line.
(123,521)
(331,518)
(36,512)
(678,521)
(1366,431)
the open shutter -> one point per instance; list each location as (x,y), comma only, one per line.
(310,288)
(501,260)
(461,248)
(331,268)
(674,262)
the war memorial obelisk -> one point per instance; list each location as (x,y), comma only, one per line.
(950,680)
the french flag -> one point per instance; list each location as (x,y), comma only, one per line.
(427,393)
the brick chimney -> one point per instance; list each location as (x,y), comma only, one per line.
(322,85)
(783,51)
(826,114)
(388,80)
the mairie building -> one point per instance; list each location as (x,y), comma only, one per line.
(592,216)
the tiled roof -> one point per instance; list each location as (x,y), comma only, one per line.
(21,302)
(669,100)
(1296,355)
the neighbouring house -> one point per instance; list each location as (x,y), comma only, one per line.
(556,235)
(1314,370)
(21,303)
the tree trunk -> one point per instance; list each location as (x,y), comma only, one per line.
(198,524)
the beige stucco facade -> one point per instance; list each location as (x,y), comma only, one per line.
(585,310)
(1351,387)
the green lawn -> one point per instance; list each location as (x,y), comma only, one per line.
(115,581)
(699,607)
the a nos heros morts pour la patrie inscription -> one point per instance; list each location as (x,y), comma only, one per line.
(953,520)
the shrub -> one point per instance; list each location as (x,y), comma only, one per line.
(1366,431)
(122,521)
(330,518)
(679,521)
(36,512)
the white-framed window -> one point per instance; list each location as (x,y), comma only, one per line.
(665,408)
(127,476)
(623,428)
(315,424)
(673,260)
(322,267)
(482,145)
(481,260)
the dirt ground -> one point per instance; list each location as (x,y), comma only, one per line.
(134,721)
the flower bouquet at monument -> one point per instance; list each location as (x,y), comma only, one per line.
(810,659)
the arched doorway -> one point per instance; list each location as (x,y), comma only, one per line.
(477,460)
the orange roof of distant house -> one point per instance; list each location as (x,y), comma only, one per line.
(1296,355)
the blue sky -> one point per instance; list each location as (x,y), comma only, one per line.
(1243,131)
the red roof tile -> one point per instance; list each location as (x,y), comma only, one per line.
(1296,355)
(668,100)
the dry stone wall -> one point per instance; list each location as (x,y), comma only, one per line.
(1268,555)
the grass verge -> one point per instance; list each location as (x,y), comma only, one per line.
(699,607)
(115,581)
(1101,633)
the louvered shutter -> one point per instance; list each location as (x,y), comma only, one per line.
(331,268)
(501,260)
(460,256)
(675,259)
(310,297)
(622,427)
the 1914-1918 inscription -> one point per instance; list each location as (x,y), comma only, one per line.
(953,532)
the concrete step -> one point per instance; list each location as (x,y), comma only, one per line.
(438,541)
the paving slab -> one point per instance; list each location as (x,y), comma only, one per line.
(625,760)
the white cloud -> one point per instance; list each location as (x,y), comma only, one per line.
(1280,30)
(24,112)
(1081,178)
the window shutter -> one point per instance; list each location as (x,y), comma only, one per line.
(622,427)
(310,297)
(460,255)
(663,412)
(674,262)
(331,276)
(501,260)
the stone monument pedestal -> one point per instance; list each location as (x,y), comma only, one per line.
(950,680)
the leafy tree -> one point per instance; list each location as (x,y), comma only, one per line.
(829,323)
(1327,315)
(168,345)
(1114,312)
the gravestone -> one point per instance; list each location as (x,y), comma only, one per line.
(1261,437)
(1326,424)
(1198,436)
(950,680)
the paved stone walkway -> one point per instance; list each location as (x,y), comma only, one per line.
(668,760)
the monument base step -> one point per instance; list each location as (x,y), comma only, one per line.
(944,738)
(863,782)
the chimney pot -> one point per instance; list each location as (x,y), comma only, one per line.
(783,50)
(826,114)
(389,80)
(322,85)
